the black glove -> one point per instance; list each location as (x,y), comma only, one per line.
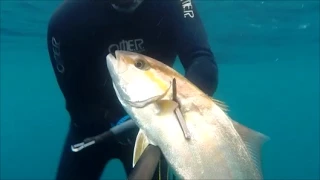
(204,74)
(125,137)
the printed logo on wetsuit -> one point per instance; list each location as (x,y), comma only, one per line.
(134,45)
(187,8)
(56,54)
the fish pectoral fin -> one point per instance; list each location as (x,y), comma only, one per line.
(165,106)
(253,141)
(140,145)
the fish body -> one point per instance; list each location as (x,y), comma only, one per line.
(218,148)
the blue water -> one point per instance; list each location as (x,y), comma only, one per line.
(268,54)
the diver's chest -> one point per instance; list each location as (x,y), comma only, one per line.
(138,38)
(142,33)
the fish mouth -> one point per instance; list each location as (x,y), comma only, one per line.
(116,64)
(111,63)
(114,67)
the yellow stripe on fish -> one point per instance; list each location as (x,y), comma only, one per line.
(157,80)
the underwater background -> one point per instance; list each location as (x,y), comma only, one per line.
(268,57)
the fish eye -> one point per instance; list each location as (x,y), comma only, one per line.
(141,64)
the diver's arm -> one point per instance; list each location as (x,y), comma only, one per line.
(148,161)
(68,53)
(193,46)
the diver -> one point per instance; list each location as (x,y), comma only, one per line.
(82,33)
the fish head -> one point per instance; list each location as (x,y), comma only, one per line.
(137,77)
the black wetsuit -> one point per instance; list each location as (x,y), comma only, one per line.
(80,35)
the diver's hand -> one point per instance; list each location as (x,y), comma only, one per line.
(124,135)
(128,137)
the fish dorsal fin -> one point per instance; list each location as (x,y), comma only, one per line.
(140,145)
(253,141)
(165,106)
(221,104)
